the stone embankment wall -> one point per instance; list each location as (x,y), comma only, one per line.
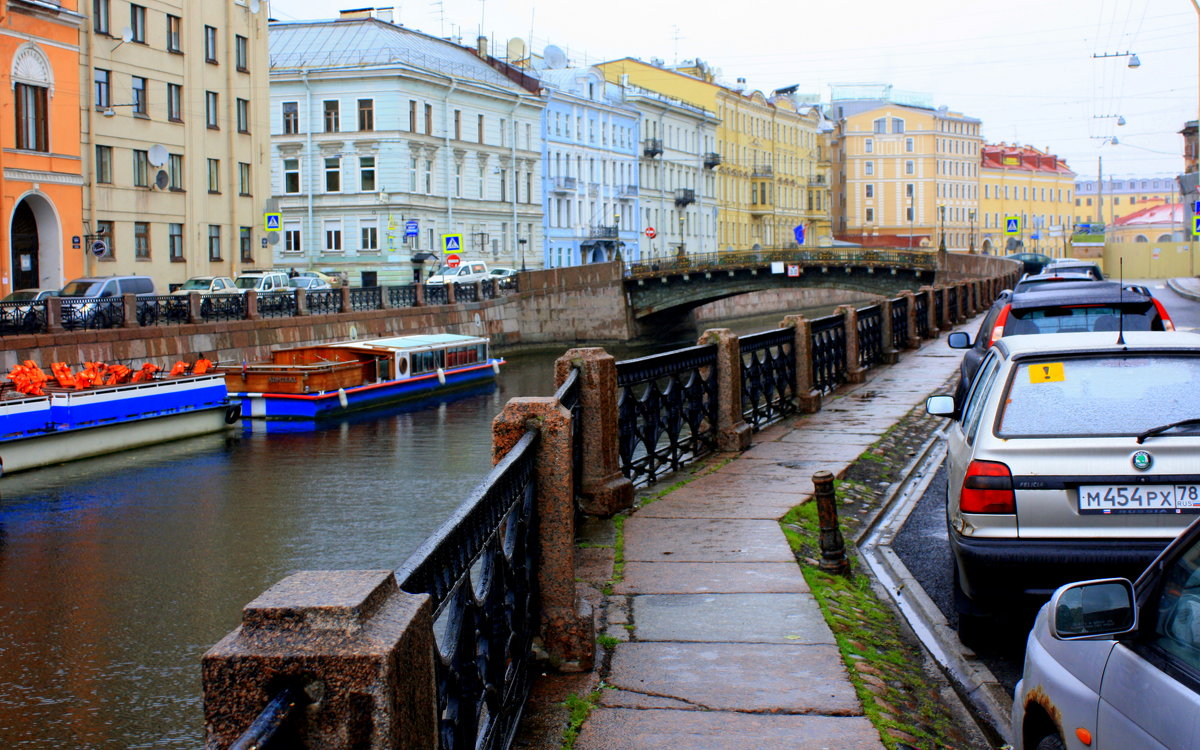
(771,301)
(952,267)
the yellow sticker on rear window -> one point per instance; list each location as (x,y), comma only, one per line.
(1047,372)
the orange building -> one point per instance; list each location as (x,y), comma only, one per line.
(41,183)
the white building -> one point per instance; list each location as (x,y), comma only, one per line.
(385,140)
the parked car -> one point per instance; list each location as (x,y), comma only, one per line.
(1032,262)
(1074,456)
(1029,281)
(263,281)
(207,285)
(1111,664)
(467,272)
(1064,307)
(85,303)
(27,317)
(29,295)
(332,280)
(1069,265)
(308,283)
(501,273)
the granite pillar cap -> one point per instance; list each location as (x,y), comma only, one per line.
(321,600)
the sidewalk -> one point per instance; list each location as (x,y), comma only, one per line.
(721,644)
(1186,286)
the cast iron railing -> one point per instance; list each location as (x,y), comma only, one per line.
(436,294)
(402,296)
(466,292)
(276,305)
(223,307)
(828,352)
(952,293)
(568,395)
(922,304)
(870,336)
(666,411)
(22,317)
(92,312)
(323,301)
(692,262)
(900,323)
(171,309)
(768,376)
(480,570)
(366,298)
(269,729)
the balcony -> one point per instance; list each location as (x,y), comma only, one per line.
(817,181)
(603,232)
(652,147)
(763,170)
(627,192)
(712,160)
(684,196)
(761,207)
(563,185)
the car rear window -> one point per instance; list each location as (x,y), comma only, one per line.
(1099,396)
(1137,317)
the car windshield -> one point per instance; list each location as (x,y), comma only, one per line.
(247,282)
(1100,396)
(23,296)
(446,271)
(201,284)
(1130,317)
(81,289)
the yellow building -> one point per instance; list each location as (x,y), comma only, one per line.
(1032,186)
(1120,197)
(906,175)
(772,175)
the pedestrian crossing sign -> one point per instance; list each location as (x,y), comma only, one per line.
(271,222)
(451,243)
(1196,225)
(1012,224)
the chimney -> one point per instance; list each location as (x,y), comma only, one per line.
(385,14)
(355,13)
(481,46)
(741,85)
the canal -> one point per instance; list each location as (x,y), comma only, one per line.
(117,573)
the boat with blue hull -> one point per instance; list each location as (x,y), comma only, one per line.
(327,381)
(66,425)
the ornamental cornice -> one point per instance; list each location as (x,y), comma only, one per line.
(31,175)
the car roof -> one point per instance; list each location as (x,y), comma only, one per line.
(1046,275)
(1079,293)
(1101,341)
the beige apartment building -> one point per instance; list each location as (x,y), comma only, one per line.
(1031,186)
(175,138)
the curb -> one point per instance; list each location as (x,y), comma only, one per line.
(1175,286)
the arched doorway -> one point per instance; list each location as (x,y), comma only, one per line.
(24,244)
(35,241)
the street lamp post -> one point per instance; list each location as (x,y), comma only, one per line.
(942,228)
(682,242)
(521,243)
(971,238)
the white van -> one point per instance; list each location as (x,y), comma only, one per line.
(468,272)
(263,281)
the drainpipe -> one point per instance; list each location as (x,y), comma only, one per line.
(449,157)
(235,236)
(308,158)
(516,183)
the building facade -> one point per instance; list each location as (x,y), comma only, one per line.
(1032,186)
(386,140)
(41,192)
(589,159)
(174,133)
(1119,197)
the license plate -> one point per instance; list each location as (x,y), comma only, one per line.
(1139,498)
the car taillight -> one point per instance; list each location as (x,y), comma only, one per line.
(1166,319)
(998,328)
(987,488)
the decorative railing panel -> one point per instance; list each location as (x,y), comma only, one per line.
(436,294)
(276,305)
(508,284)
(900,323)
(828,352)
(323,302)
(22,317)
(666,411)
(768,376)
(92,312)
(922,305)
(916,259)
(366,298)
(870,336)
(466,292)
(480,570)
(402,296)
(223,307)
(171,309)
(488,289)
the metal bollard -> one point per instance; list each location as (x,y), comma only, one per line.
(833,548)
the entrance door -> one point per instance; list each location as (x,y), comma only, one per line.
(24,243)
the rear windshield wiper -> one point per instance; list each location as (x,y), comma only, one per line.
(1164,427)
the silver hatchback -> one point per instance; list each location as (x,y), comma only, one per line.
(1074,456)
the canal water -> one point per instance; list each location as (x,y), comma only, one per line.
(117,573)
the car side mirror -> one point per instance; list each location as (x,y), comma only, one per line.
(1097,609)
(959,340)
(941,406)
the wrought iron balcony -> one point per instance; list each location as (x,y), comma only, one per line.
(684,196)
(652,147)
(818,179)
(711,160)
(563,185)
(763,170)
(603,232)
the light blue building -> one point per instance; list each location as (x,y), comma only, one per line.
(590,162)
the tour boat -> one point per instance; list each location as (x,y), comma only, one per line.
(331,380)
(67,424)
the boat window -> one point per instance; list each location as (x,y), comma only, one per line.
(401,365)
(463,355)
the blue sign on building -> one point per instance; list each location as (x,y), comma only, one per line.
(411,228)
(799,232)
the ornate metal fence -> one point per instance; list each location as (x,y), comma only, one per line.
(828,352)
(666,411)
(323,301)
(277,305)
(436,294)
(870,336)
(92,312)
(480,570)
(223,307)
(466,292)
(768,376)
(921,302)
(402,296)
(900,323)
(366,298)
(171,309)
(22,317)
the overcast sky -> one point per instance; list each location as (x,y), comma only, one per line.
(1026,68)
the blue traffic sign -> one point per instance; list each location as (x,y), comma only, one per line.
(271,222)
(411,228)
(1196,207)
(1196,225)
(1012,224)
(799,232)
(451,243)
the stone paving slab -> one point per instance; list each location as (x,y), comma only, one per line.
(792,469)
(704,540)
(738,677)
(711,578)
(730,618)
(745,504)
(609,729)
(780,450)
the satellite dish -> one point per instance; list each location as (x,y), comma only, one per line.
(254,6)
(516,49)
(157,155)
(161,179)
(100,248)
(127,34)
(554,57)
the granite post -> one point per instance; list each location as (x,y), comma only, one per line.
(733,434)
(910,320)
(251,297)
(808,399)
(54,315)
(345,305)
(854,372)
(194,301)
(930,310)
(890,354)
(567,625)
(129,311)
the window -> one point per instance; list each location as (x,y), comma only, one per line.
(175,242)
(210,110)
(869,146)
(244,181)
(370,237)
(210,44)
(103,87)
(291,118)
(291,176)
(870,190)
(104,229)
(137,23)
(174,102)
(244,246)
(366,114)
(908,213)
(870,215)
(881,125)
(908,145)
(428,119)
(32,131)
(241,53)
(909,190)
(174,24)
(429,177)
(214,242)
(458,124)
(141,240)
(139,96)
(100,16)
(910,167)
(291,238)
(332,115)
(366,174)
(104,164)
(141,168)
(333,236)
(214,175)
(897,125)
(243,115)
(412,116)
(480,139)
(175,171)
(333,174)
(869,168)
